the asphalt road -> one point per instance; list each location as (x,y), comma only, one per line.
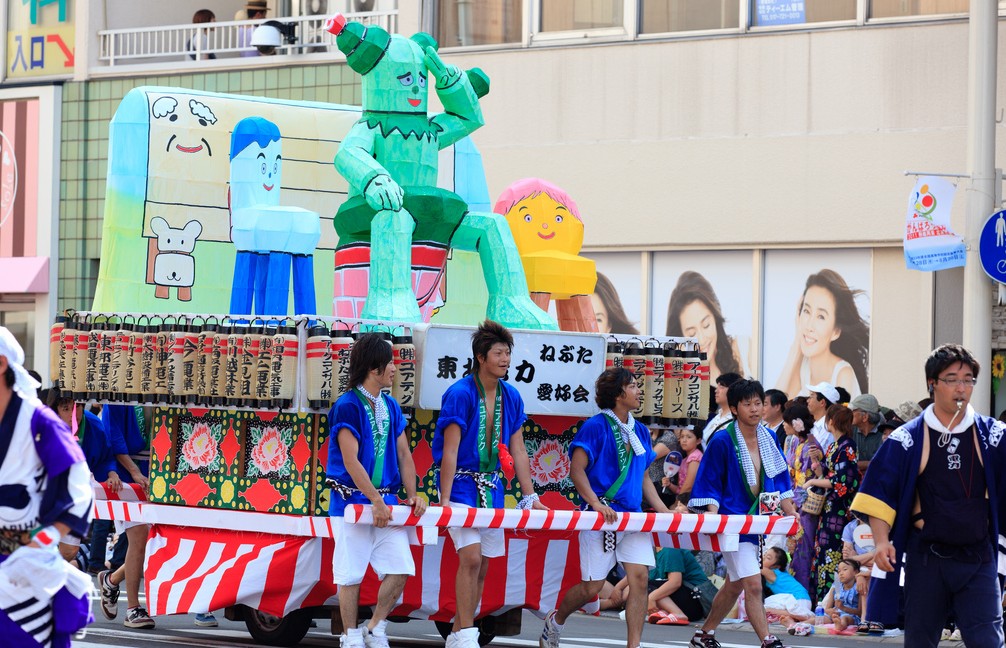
(580,632)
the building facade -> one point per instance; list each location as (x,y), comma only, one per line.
(755,144)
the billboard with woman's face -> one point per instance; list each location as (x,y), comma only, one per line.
(816,319)
(709,296)
(617,297)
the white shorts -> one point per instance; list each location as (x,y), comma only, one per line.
(492,540)
(358,545)
(122,525)
(630,547)
(743,562)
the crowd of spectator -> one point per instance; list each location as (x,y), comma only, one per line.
(821,574)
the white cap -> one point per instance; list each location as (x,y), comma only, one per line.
(826,389)
(10,349)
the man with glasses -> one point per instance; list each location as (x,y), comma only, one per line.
(934,497)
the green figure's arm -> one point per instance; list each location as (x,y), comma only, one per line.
(355,162)
(462,115)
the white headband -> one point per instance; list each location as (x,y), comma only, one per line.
(10,349)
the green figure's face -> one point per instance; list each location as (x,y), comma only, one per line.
(398,83)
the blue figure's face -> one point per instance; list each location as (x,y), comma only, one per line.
(258,172)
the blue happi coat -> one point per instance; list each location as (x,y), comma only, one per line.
(888,493)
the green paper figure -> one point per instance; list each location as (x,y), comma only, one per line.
(389,158)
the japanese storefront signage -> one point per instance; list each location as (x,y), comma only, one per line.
(554,372)
(40,38)
(780,12)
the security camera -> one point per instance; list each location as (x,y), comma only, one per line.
(272,34)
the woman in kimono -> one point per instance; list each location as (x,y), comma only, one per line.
(840,476)
(806,451)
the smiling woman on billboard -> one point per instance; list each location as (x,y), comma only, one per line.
(831,342)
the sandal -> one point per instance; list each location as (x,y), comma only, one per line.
(656,616)
(876,628)
(863,628)
(670,619)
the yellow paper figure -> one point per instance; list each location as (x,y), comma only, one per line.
(548,230)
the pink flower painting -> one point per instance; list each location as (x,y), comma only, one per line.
(550,463)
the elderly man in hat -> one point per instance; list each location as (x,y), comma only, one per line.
(45,494)
(895,418)
(866,420)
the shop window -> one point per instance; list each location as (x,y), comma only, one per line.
(769,13)
(570,15)
(662,16)
(904,8)
(22,325)
(462,23)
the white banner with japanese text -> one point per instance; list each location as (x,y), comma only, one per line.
(553,371)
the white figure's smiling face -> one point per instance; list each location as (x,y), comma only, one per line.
(260,172)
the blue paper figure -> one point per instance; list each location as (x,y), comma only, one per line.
(270,238)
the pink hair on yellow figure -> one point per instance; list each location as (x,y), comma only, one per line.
(529,188)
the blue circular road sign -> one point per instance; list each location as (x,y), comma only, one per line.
(992,246)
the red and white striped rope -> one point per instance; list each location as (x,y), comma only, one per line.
(556,520)
(128,492)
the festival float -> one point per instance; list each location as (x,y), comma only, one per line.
(232,203)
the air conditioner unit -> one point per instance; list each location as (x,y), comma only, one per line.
(314,7)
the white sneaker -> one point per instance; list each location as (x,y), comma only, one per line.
(351,640)
(467,638)
(956,635)
(451,641)
(372,640)
(550,633)
(945,635)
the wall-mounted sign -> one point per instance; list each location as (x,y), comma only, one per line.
(40,38)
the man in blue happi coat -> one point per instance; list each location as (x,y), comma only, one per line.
(934,496)
(369,461)
(481,421)
(608,462)
(741,464)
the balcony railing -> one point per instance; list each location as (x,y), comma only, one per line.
(222,39)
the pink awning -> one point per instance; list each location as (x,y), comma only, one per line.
(24,275)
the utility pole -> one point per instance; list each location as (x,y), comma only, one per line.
(981,191)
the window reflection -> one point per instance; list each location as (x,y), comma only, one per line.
(662,16)
(899,8)
(461,23)
(566,15)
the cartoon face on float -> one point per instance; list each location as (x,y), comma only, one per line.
(541,224)
(184,138)
(398,84)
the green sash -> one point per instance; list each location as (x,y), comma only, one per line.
(141,421)
(380,437)
(623,459)
(488,452)
(82,429)
(754,509)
